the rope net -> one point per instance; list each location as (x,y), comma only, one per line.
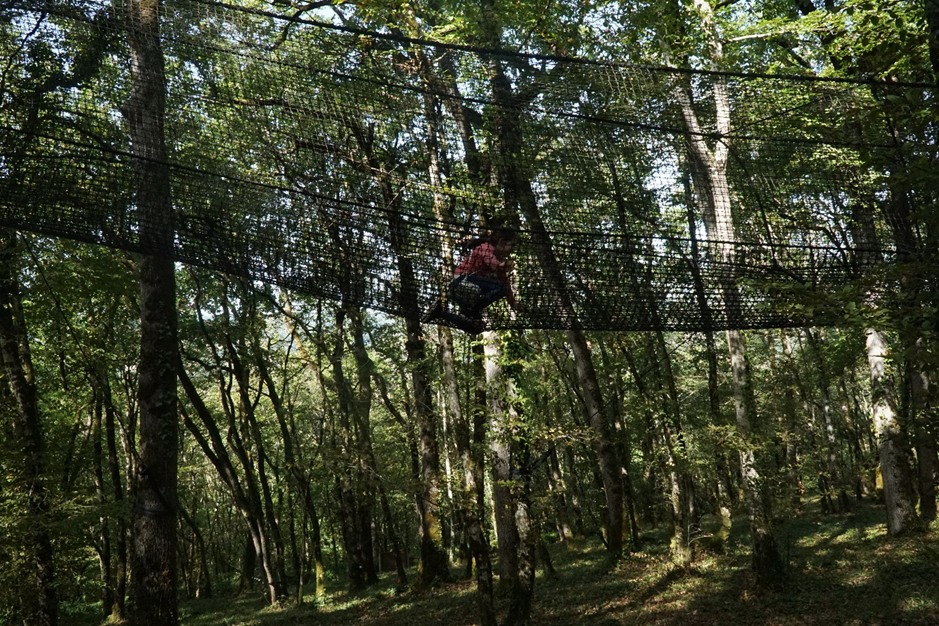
(350,164)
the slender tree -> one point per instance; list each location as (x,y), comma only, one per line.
(518,195)
(41,602)
(154,551)
(709,173)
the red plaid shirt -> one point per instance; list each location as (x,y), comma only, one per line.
(483,261)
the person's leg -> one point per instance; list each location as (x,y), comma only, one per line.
(474,293)
(434,312)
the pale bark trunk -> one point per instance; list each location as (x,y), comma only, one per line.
(767,562)
(891,440)
(517,539)
(709,172)
(500,437)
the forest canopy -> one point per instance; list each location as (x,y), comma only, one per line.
(299,152)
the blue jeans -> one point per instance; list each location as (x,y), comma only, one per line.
(474,293)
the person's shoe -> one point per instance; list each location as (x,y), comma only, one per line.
(469,323)
(433,312)
(476,326)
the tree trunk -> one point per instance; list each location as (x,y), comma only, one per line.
(709,174)
(926,430)
(470,443)
(351,488)
(434,563)
(154,551)
(892,446)
(41,605)
(681,493)
(500,446)
(517,188)
(363,404)
(319,565)
(517,536)
(250,448)
(245,495)
(835,475)
(104,528)
(117,610)
(932,20)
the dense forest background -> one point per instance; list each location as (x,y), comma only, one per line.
(235,394)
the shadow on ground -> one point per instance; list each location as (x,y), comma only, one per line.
(842,570)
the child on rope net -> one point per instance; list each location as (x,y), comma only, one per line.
(480,279)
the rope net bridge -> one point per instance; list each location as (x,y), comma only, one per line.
(349,165)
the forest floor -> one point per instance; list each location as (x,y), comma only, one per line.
(842,570)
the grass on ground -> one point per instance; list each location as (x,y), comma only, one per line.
(842,570)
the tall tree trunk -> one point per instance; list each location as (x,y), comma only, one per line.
(892,446)
(709,174)
(41,605)
(840,503)
(250,448)
(364,375)
(926,431)
(303,480)
(244,494)
(154,554)
(319,564)
(682,495)
(500,446)
(519,195)
(471,437)
(434,565)
(117,610)
(891,443)
(657,387)
(517,535)
(350,484)
(898,213)
(101,493)
(617,418)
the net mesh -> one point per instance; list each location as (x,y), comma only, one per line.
(350,165)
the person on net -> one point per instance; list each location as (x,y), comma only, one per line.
(481,278)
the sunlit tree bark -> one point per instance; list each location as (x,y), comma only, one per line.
(709,173)
(514,524)
(892,444)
